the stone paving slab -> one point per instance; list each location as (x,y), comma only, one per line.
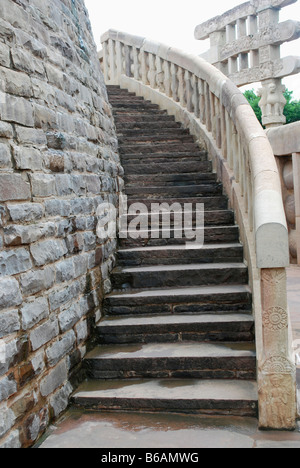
(93,430)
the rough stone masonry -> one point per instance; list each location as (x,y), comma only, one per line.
(58,162)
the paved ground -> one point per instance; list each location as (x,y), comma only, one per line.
(79,429)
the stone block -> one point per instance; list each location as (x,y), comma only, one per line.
(6,130)
(24,61)
(5,156)
(81,331)
(28,158)
(60,400)
(43,334)
(14,261)
(9,322)
(48,251)
(8,386)
(60,348)
(17,110)
(44,117)
(61,297)
(4,55)
(13,187)
(43,185)
(16,83)
(93,184)
(69,317)
(58,208)
(24,235)
(37,280)
(7,420)
(26,212)
(33,312)
(31,136)
(12,441)
(57,377)
(65,270)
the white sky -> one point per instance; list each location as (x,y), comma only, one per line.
(173,22)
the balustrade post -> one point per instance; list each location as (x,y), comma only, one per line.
(277,372)
(112,61)
(167,78)
(145,67)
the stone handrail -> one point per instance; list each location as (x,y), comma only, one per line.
(285,142)
(217,114)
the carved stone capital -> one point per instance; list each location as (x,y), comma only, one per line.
(272,102)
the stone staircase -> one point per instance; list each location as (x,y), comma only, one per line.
(178,332)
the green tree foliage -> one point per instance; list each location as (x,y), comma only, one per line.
(291,110)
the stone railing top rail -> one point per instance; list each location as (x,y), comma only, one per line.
(285,140)
(252,8)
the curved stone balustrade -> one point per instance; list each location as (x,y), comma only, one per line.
(217,114)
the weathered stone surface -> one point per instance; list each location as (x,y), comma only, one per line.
(19,235)
(16,83)
(14,261)
(44,333)
(8,386)
(48,251)
(9,322)
(13,187)
(54,379)
(26,212)
(17,110)
(5,156)
(33,312)
(37,280)
(7,420)
(28,158)
(61,348)
(10,294)
(43,185)
(59,401)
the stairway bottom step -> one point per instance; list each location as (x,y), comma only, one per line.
(214,397)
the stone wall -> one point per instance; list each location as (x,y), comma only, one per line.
(58,162)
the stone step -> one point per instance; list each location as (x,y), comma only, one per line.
(179,190)
(169,179)
(121,118)
(187,360)
(149,147)
(164,218)
(152,167)
(151,132)
(194,300)
(170,276)
(133,105)
(213,203)
(212,235)
(138,112)
(156,138)
(150,126)
(182,156)
(174,255)
(209,397)
(176,328)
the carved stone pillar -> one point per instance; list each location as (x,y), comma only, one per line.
(277,372)
(272,103)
